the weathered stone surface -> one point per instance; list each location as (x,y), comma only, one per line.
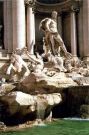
(43,84)
(2,126)
(6,88)
(25,104)
(82,80)
(84,111)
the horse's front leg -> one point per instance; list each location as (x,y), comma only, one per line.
(26,67)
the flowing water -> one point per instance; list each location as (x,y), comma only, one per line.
(60,127)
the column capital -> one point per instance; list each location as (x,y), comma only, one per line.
(30,3)
(75,5)
(74,9)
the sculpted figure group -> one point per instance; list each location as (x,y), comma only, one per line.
(43,70)
(55,53)
(18,64)
(53,41)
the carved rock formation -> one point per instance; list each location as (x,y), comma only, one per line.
(24,104)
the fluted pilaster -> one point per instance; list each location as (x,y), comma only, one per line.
(86,29)
(5,25)
(80,30)
(9,26)
(8,34)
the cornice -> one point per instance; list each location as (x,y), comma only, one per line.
(65,6)
(44,4)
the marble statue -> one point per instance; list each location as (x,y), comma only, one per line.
(57,62)
(52,40)
(38,68)
(17,63)
(37,63)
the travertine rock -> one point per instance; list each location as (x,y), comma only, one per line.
(6,88)
(40,83)
(84,111)
(82,80)
(24,104)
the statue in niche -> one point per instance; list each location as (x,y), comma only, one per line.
(52,40)
(54,48)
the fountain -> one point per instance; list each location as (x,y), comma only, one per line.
(55,82)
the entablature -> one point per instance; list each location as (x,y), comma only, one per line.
(63,6)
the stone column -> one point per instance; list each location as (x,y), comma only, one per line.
(73,35)
(86,29)
(9,27)
(18,24)
(5,25)
(59,22)
(8,35)
(30,30)
(80,30)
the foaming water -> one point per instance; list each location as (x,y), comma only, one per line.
(76,119)
(42,124)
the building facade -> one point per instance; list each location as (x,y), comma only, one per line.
(19,24)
